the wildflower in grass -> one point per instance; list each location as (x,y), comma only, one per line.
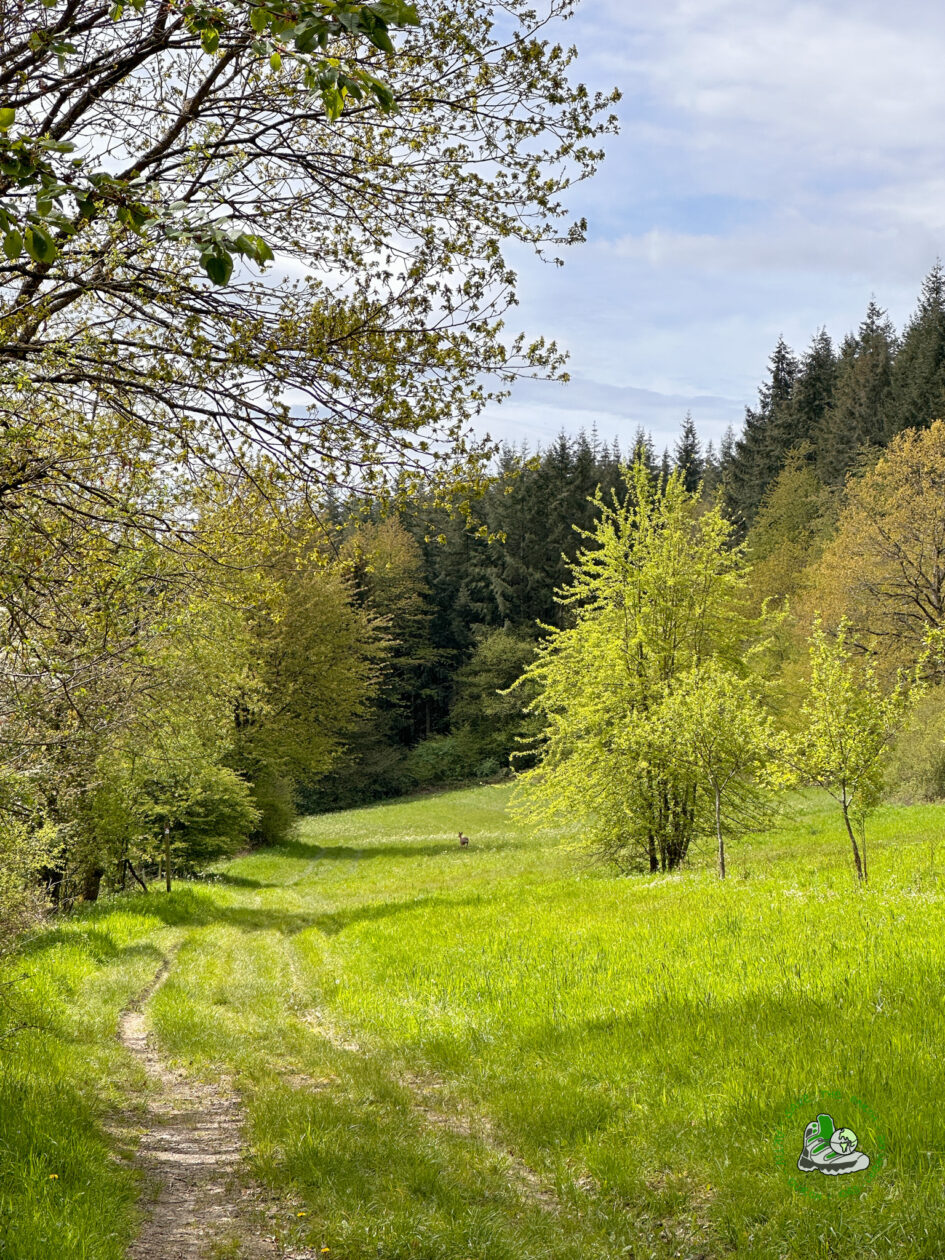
(53,1176)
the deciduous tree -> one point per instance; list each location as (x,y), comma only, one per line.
(712,719)
(654,594)
(848,722)
(884,571)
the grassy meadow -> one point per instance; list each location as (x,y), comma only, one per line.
(411,1024)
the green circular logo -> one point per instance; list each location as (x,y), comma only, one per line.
(829,1144)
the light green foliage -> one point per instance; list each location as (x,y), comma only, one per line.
(24,851)
(162,765)
(133,156)
(60,189)
(654,594)
(789,531)
(847,724)
(387,574)
(636,1043)
(316,666)
(713,720)
(227,674)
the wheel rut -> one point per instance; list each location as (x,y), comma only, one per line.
(200,1200)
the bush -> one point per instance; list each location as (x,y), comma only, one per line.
(211,812)
(275,808)
(24,852)
(440,759)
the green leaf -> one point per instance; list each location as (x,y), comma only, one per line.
(396,12)
(219,267)
(39,246)
(275,61)
(210,40)
(6,118)
(380,39)
(306,37)
(13,244)
(258,19)
(376,31)
(258,249)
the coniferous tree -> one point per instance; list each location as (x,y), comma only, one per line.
(919,372)
(766,439)
(727,450)
(861,416)
(813,392)
(642,450)
(687,455)
(710,470)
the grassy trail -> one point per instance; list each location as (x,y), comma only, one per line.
(500,1053)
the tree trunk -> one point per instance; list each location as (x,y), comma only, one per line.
(53,878)
(91,883)
(167,855)
(860,870)
(651,848)
(135,874)
(718,832)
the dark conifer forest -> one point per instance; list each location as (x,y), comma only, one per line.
(823,414)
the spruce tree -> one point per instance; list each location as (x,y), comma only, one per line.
(687,455)
(919,372)
(710,470)
(813,392)
(861,416)
(766,438)
(642,450)
(726,450)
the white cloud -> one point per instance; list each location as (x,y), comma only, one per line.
(779,163)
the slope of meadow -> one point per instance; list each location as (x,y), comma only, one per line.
(503,1052)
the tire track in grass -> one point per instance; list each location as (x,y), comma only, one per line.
(429,1095)
(192,1154)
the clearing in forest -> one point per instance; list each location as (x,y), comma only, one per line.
(393,1046)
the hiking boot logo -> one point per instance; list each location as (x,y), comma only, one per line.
(830,1150)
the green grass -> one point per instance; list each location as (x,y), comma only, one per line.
(639,1038)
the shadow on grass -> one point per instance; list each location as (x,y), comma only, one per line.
(186,907)
(348,853)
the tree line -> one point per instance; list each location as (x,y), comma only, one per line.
(252,267)
(812,498)
(252,556)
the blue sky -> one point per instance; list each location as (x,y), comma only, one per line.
(777,165)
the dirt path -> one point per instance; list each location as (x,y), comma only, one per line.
(191,1152)
(201,1201)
